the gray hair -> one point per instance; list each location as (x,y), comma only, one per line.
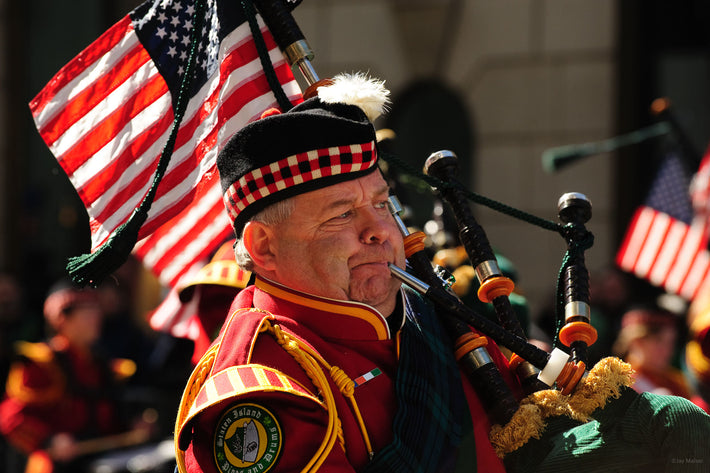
(271,215)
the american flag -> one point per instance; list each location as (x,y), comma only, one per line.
(667,240)
(107,114)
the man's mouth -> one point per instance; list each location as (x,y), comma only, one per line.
(379,262)
(375,266)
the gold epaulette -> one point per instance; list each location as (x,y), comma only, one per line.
(205,388)
(464,277)
(17,387)
(236,381)
(696,359)
(37,352)
(194,384)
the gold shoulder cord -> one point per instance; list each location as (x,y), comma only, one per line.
(309,360)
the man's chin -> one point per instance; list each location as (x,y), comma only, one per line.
(375,291)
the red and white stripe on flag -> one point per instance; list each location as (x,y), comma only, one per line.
(667,252)
(700,186)
(106,116)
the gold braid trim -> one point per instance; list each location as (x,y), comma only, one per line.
(307,357)
(311,363)
(347,388)
(602,383)
(309,360)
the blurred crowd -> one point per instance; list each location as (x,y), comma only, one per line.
(90,387)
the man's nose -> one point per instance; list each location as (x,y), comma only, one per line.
(376,227)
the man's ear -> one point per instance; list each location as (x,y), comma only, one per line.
(257,239)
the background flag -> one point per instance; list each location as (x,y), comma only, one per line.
(667,240)
(106,116)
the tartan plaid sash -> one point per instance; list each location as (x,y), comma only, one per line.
(432,413)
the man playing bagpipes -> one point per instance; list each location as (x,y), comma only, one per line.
(326,362)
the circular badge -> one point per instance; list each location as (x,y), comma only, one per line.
(247,440)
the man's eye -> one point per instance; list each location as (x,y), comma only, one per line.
(381,205)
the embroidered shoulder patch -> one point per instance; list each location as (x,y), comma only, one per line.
(247,439)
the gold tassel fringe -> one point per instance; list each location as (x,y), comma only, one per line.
(603,382)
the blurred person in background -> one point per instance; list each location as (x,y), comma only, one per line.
(610,299)
(210,293)
(124,331)
(16,323)
(648,341)
(62,399)
(162,360)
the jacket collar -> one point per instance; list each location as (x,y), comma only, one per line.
(331,317)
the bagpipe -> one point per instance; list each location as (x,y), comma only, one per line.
(536,368)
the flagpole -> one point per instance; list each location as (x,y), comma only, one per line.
(554,159)
(661,108)
(291,40)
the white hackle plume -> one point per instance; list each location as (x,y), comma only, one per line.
(357,89)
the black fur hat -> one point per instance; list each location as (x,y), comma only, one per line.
(320,142)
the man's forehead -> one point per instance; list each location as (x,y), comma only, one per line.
(372,185)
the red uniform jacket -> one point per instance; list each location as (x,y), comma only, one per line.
(258,393)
